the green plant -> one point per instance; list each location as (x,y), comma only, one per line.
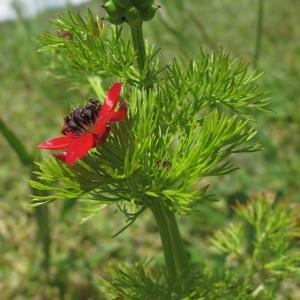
(184,122)
(263,241)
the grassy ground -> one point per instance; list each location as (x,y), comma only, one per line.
(33,104)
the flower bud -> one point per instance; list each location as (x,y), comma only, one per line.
(132,15)
(115,20)
(141,4)
(112,9)
(125,4)
(148,13)
(130,11)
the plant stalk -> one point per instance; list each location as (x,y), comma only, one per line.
(43,226)
(138,44)
(175,255)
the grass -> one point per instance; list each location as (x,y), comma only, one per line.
(33,104)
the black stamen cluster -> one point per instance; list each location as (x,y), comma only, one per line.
(81,119)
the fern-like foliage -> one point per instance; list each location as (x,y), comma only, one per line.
(263,241)
(214,80)
(134,282)
(83,47)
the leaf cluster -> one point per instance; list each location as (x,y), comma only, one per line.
(264,240)
(134,282)
(83,47)
(215,80)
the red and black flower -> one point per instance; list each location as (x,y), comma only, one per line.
(85,128)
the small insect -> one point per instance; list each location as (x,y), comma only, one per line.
(163,163)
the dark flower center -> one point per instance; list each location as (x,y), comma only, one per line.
(81,120)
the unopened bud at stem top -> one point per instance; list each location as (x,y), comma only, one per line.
(130,11)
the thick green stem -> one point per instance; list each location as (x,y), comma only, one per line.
(174,252)
(175,256)
(138,44)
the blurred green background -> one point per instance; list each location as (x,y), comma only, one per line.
(32,103)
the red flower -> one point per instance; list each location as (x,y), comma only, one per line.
(87,127)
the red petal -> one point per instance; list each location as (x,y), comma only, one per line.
(100,125)
(120,114)
(100,139)
(61,156)
(107,114)
(112,98)
(79,148)
(57,143)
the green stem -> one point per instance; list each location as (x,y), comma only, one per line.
(43,224)
(173,247)
(259,32)
(15,144)
(41,213)
(138,44)
(175,256)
